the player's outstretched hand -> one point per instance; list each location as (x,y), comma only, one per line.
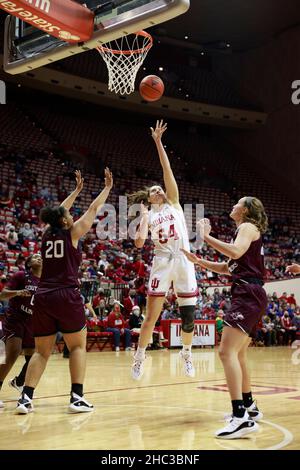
(204,227)
(108,179)
(160,128)
(191,256)
(24,293)
(144,209)
(79,181)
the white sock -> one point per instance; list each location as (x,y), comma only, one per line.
(140,353)
(187,349)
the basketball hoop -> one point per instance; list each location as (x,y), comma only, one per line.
(123,58)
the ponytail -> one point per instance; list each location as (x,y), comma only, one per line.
(256,214)
(139,196)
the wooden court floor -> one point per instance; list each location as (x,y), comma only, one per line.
(164,411)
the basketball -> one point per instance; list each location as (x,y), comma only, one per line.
(152,88)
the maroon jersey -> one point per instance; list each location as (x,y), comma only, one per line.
(61,261)
(19,281)
(251,264)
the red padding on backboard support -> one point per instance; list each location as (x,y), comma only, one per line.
(63,19)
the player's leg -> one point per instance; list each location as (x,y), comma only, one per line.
(153,310)
(36,367)
(18,381)
(13,348)
(232,342)
(186,288)
(28,345)
(187,315)
(76,343)
(249,403)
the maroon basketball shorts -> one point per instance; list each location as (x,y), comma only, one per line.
(20,326)
(248,305)
(60,310)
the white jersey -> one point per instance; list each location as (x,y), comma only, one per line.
(168,230)
(170,266)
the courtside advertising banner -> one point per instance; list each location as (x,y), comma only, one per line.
(204,334)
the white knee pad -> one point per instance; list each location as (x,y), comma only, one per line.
(187,302)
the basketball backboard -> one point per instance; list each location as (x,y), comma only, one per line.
(26,48)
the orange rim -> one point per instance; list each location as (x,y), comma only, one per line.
(134,51)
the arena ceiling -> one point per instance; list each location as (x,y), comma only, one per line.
(244,24)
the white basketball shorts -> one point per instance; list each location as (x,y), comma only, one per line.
(178,270)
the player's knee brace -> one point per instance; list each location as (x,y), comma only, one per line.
(187,314)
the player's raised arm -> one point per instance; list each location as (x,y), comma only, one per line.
(83,225)
(220,268)
(8,294)
(246,235)
(142,232)
(69,201)
(169,179)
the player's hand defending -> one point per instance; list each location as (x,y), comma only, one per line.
(24,293)
(79,181)
(293,269)
(160,128)
(204,228)
(191,256)
(108,178)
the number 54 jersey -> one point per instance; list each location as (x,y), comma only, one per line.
(169,234)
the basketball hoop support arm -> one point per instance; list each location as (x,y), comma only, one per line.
(63,19)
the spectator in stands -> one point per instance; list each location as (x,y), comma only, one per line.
(12,239)
(141,291)
(88,309)
(103,263)
(3,257)
(116,324)
(225,304)
(92,268)
(3,278)
(102,310)
(286,324)
(139,266)
(26,233)
(45,193)
(296,322)
(136,319)
(269,331)
(291,299)
(129,302)
(219,323)
(97,299)
(167,313)
(284,297)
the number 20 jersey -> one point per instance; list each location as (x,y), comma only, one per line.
(61,261)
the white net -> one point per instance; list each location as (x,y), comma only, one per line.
(123,58)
